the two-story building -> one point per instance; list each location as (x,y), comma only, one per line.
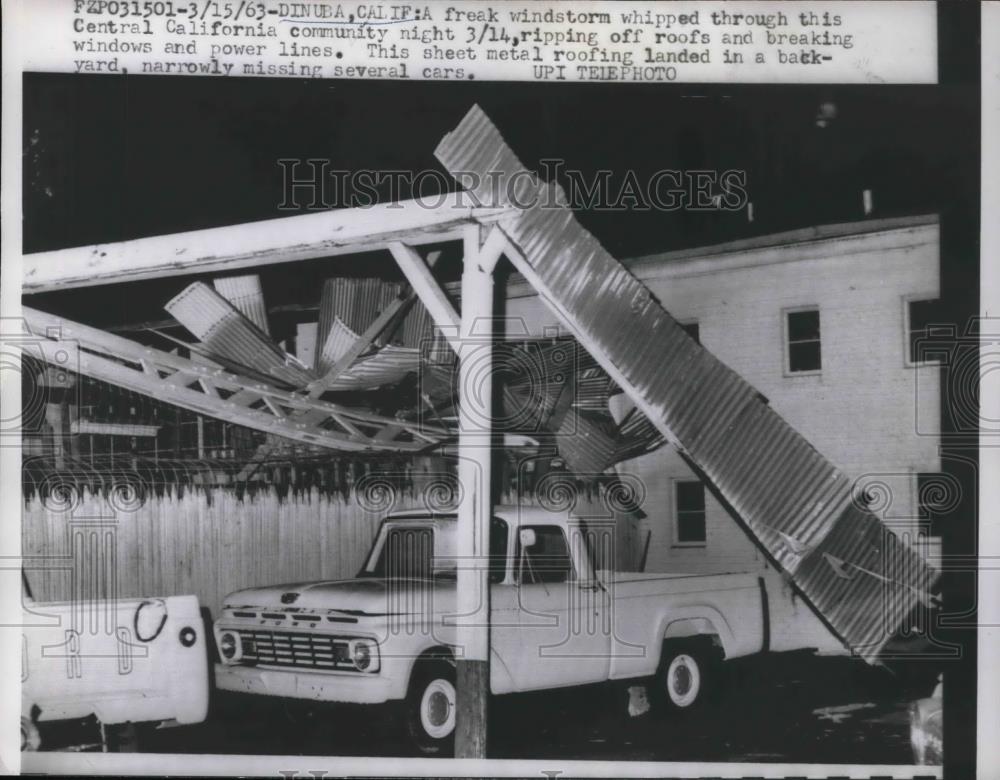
(825,322)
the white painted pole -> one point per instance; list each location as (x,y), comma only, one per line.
(475,508)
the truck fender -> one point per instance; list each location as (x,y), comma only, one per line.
(697,621)
(436,652)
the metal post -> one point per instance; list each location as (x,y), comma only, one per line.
(475,508)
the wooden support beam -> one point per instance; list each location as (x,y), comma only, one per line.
(418,274)
(353,430)
(492,249)
(207,387)
(224,250)
(475,510)
(276,410)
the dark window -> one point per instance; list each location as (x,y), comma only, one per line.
(498,550)
(803,341)
(934,495)
(689,510)
(691,328)
(547,560)
(921,315)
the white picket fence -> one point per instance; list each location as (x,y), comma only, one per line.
(206,543)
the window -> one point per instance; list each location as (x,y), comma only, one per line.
(691,328)
(920,315)
(935,495)
(803,352)
(498,550)
(547,560)
(689,513)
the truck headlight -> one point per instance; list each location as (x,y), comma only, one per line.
(364,655)
(229,645)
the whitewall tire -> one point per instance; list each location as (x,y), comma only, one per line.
(430,708)
(437,708)
(683,681)
(686,676)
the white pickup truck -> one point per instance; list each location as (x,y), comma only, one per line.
(122,662)
(388,634)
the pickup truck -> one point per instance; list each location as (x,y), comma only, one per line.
(388,635)
(122,662)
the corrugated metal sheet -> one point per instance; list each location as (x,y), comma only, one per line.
(417,329)
(245,293)
(637,436)
(586,441)
(229,335)
(593,389)
(796,503)
(524,411)
(356,302)
(386,367)
(340,339)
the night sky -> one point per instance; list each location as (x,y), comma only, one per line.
(123,157)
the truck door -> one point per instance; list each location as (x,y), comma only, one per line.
(505,650)
(561,612)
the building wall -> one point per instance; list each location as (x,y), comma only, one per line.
(867,410)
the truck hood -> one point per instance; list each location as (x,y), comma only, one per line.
(361,596)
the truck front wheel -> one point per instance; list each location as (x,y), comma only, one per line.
(430,708)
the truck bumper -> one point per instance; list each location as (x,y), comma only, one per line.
(321,686)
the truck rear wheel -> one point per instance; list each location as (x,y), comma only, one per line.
(684,679)
(430,708)
(122,738)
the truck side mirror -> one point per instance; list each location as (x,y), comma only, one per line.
(527,538)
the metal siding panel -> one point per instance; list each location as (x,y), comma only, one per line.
(762,467)
(227,333)
(356,302)
(586,446)
(339,340)
(387,366)
(246,294)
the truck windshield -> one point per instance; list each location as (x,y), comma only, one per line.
(415,551)
(407,553)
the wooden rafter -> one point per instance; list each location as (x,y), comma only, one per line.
(228,249)
(418,274)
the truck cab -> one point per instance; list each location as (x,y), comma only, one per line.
(556,620)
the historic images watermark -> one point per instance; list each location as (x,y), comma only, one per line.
(313,184)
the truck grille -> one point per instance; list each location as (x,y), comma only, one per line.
(298,649)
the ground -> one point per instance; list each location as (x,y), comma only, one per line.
(791,707)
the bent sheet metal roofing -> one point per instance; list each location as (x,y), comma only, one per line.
(855,572)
